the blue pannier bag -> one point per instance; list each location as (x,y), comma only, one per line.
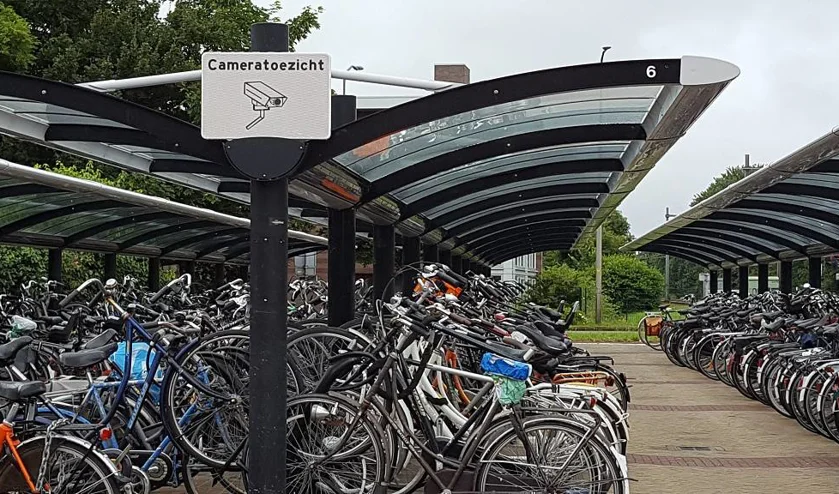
(142,355)
(500,366)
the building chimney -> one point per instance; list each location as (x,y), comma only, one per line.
(451,73)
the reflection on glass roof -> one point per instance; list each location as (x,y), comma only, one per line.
(799,239)
(618,105)
(817,226)
(106,219)
(509,162)
(570,179)
(454,205)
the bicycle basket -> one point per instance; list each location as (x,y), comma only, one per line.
(652,325)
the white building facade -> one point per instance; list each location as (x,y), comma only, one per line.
(521,269)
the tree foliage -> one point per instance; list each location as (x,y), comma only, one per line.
(86,40)
(616,233)
(731,175)
(630,283)
(17,44)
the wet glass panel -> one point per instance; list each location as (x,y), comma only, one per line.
(817,179)
(768,229)
(601,106)
(820,203)
(515,161)
(215,241)
(64,225)
(584,213)
(813,224)
(454,205)
(18,207)
(72,118)
(171,238)
(125,232)
(469,195)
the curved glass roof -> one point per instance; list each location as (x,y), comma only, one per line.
(785,211)
(46,209)
(586,133)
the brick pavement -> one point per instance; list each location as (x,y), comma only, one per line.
(692,435)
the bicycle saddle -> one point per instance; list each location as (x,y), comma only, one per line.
(551,313)
(8,351)
(546,343)
(101,340)
(21,390)
(86,358)
(505,351)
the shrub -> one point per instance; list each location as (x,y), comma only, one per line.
(630,283)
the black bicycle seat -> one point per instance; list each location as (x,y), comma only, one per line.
(546,343)
(86,358)
(21,390)
(505,351)
(8,351)
(101,340)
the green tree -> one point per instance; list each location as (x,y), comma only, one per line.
(17,44)
(731,175)
(630,283)
(616,233)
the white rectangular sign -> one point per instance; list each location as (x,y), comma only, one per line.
(256,94)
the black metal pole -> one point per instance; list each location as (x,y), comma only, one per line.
(190,267)
(743,280)
(429,254)
(110,266)
(54,264)
(269,280)
(341,270)
(410,255)
(726,280)
(153,280)
(445,257)
(714,282)
(785,277)
(457,264)
(218,275)
(384,247)
(814,271)
(762,278)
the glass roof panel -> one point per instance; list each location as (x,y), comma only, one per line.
(14,208)
(813,224)
(794,237)
(586,178)
(471,217)
(411,146)
(465,201)
(63,226)
(125,232)
(770,246)
(163,241)
(514,161)
(818,179)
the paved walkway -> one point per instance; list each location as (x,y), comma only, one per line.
(692,435)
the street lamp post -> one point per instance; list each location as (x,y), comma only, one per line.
(667,217)
(349,69)
(603,53)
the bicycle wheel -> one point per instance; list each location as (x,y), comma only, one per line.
(313,347)
(326,454)
(704,356)
(542,459)
(72,468)
(204,427)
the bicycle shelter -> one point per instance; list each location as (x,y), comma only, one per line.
(43,209)
(783,212)
(475,175)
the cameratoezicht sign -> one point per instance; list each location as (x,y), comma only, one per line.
(254,94)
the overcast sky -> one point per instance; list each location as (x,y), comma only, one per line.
(785,97)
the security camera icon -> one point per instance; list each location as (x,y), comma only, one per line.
(263,97)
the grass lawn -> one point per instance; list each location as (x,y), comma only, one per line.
(628,322)
(603,336)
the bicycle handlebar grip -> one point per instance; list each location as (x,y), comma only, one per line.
(66,300)
(160,293)
(449,279)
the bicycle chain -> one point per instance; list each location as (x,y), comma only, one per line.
(42,470)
